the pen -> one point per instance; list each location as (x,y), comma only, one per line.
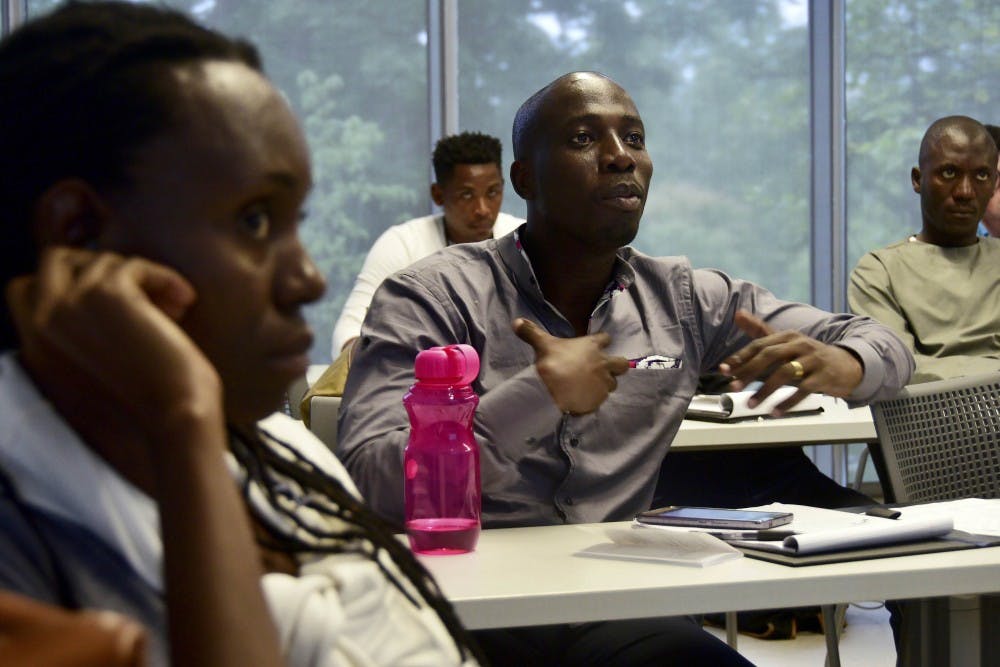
(884,512)
(757,535)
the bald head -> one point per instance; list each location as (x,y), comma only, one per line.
(581,164)
(955,180)
(528,118)
(950,126)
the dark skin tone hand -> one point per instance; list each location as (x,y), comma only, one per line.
(35,633)
(576,371)
(580,376)
(102,331)
(64,313)
(826,369)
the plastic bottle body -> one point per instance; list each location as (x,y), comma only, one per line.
(441,482)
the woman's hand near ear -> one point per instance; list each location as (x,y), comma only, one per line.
(113,320)
(109,324)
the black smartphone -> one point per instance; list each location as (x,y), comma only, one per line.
(714,517)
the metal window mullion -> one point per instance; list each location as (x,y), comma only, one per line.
(14,14)
(828,178)
(442,68)
(828,196)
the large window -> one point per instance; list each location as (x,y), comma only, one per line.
(723,88)
(909,62)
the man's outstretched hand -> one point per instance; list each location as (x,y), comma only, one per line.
(576,371)
(790,357)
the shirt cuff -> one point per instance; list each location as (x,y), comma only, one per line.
(872,368)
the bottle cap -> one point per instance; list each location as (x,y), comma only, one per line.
(448,365)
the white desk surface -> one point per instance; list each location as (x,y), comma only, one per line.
(837,424)
(528,576)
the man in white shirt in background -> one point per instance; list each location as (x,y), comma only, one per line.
(469,189)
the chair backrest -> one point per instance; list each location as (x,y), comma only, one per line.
(323,414)
(941,440)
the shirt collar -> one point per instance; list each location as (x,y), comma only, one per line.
(55,472)
(519,264)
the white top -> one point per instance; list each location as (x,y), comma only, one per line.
(397,248)
(342,611)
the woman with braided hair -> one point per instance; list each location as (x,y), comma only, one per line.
(152,180)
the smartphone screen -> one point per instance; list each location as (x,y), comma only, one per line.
(714,517)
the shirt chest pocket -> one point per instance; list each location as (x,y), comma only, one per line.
(661,372)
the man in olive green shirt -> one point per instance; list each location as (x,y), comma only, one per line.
(940,289)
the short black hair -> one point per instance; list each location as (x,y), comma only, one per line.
(83,89)
(464,148)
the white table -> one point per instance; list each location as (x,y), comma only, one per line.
(528,576)
(837,424)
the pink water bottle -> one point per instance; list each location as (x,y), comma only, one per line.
(441,462)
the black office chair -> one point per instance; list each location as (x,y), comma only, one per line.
(941,441)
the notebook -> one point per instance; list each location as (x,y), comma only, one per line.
(951,542)
(732,405)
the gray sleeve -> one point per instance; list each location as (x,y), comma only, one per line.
(886,361)
(408,315)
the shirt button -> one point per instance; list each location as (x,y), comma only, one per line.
(574,442)
(569,501)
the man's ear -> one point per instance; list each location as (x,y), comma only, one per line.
(522,180)
(437,194)
(915,179)
(69,213)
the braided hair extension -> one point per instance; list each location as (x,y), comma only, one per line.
(321,516)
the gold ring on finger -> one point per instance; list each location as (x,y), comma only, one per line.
(800,371)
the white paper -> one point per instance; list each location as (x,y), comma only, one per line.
(973,515)
(820,530)
(679,548)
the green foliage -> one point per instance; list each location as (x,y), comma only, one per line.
(356,74)
(723,89)
(344,195)
(908,64)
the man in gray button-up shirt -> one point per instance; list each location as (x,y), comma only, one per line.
(590,350)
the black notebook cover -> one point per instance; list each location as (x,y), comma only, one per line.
(953,541)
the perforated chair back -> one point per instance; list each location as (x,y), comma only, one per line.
(941,440)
